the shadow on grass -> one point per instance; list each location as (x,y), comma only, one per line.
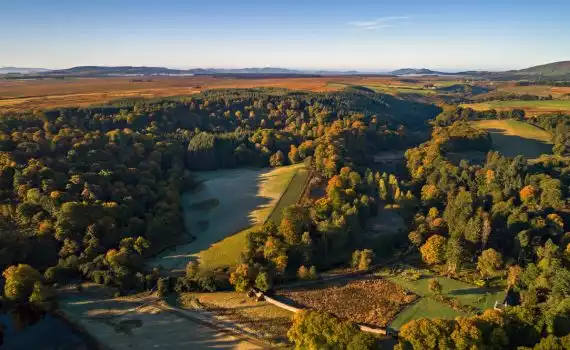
(468,291)
(512,145)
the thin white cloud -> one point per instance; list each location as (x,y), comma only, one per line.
(383,22)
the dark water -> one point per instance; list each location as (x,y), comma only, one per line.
(27,328)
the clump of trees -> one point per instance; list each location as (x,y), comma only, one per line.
(320,330)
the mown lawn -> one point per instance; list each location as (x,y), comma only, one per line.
(512,138)
(425,307)
(467,294)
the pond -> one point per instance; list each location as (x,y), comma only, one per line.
(25,328)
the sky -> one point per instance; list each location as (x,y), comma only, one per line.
(310,34)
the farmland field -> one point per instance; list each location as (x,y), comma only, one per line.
(17,95)
(511,138)
(223,208)
(372,301)
(538,90)
(531,107)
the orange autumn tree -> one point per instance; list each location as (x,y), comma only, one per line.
(433,250)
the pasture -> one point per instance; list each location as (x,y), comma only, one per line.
(511,138)
(222,210)
(530,107)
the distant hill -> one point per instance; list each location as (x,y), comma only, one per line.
(416,71)
(21,70)
(129,70)
(561,68)
(556,71)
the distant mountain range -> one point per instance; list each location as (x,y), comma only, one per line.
(17,70)
(547,72)
(416,71)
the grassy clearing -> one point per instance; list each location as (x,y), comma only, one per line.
(512,138)
(267,321)
(372,301)
(424,308)
(467,294)
(427,307)
(223,209)
(531,107)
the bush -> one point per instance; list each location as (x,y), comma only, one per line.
(411,274)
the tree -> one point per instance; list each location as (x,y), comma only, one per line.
(293,155)
(361,259)
(20,281)
(433,250)
(434,286)
(366,257)
(240,278)
(278,159)
(454,254)
(41,293)
(263,281)
(489,262)
(315,330)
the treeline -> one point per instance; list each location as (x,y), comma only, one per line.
(501,96)
(451,115)
(558,125)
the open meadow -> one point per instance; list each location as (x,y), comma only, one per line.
(530,107)
(221,211)
(512,138)
(427,307)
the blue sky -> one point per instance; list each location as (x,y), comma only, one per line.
(363,35)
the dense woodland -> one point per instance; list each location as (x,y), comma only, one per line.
(87,194)
(95,190)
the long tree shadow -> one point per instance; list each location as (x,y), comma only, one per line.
(514,145)
(468,291)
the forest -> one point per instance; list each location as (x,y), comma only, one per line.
(87,194)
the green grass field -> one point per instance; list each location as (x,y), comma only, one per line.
(424,308)
(427,307)
(531,107)
(467,294)
(292,194)
(511,138)
(245,198)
